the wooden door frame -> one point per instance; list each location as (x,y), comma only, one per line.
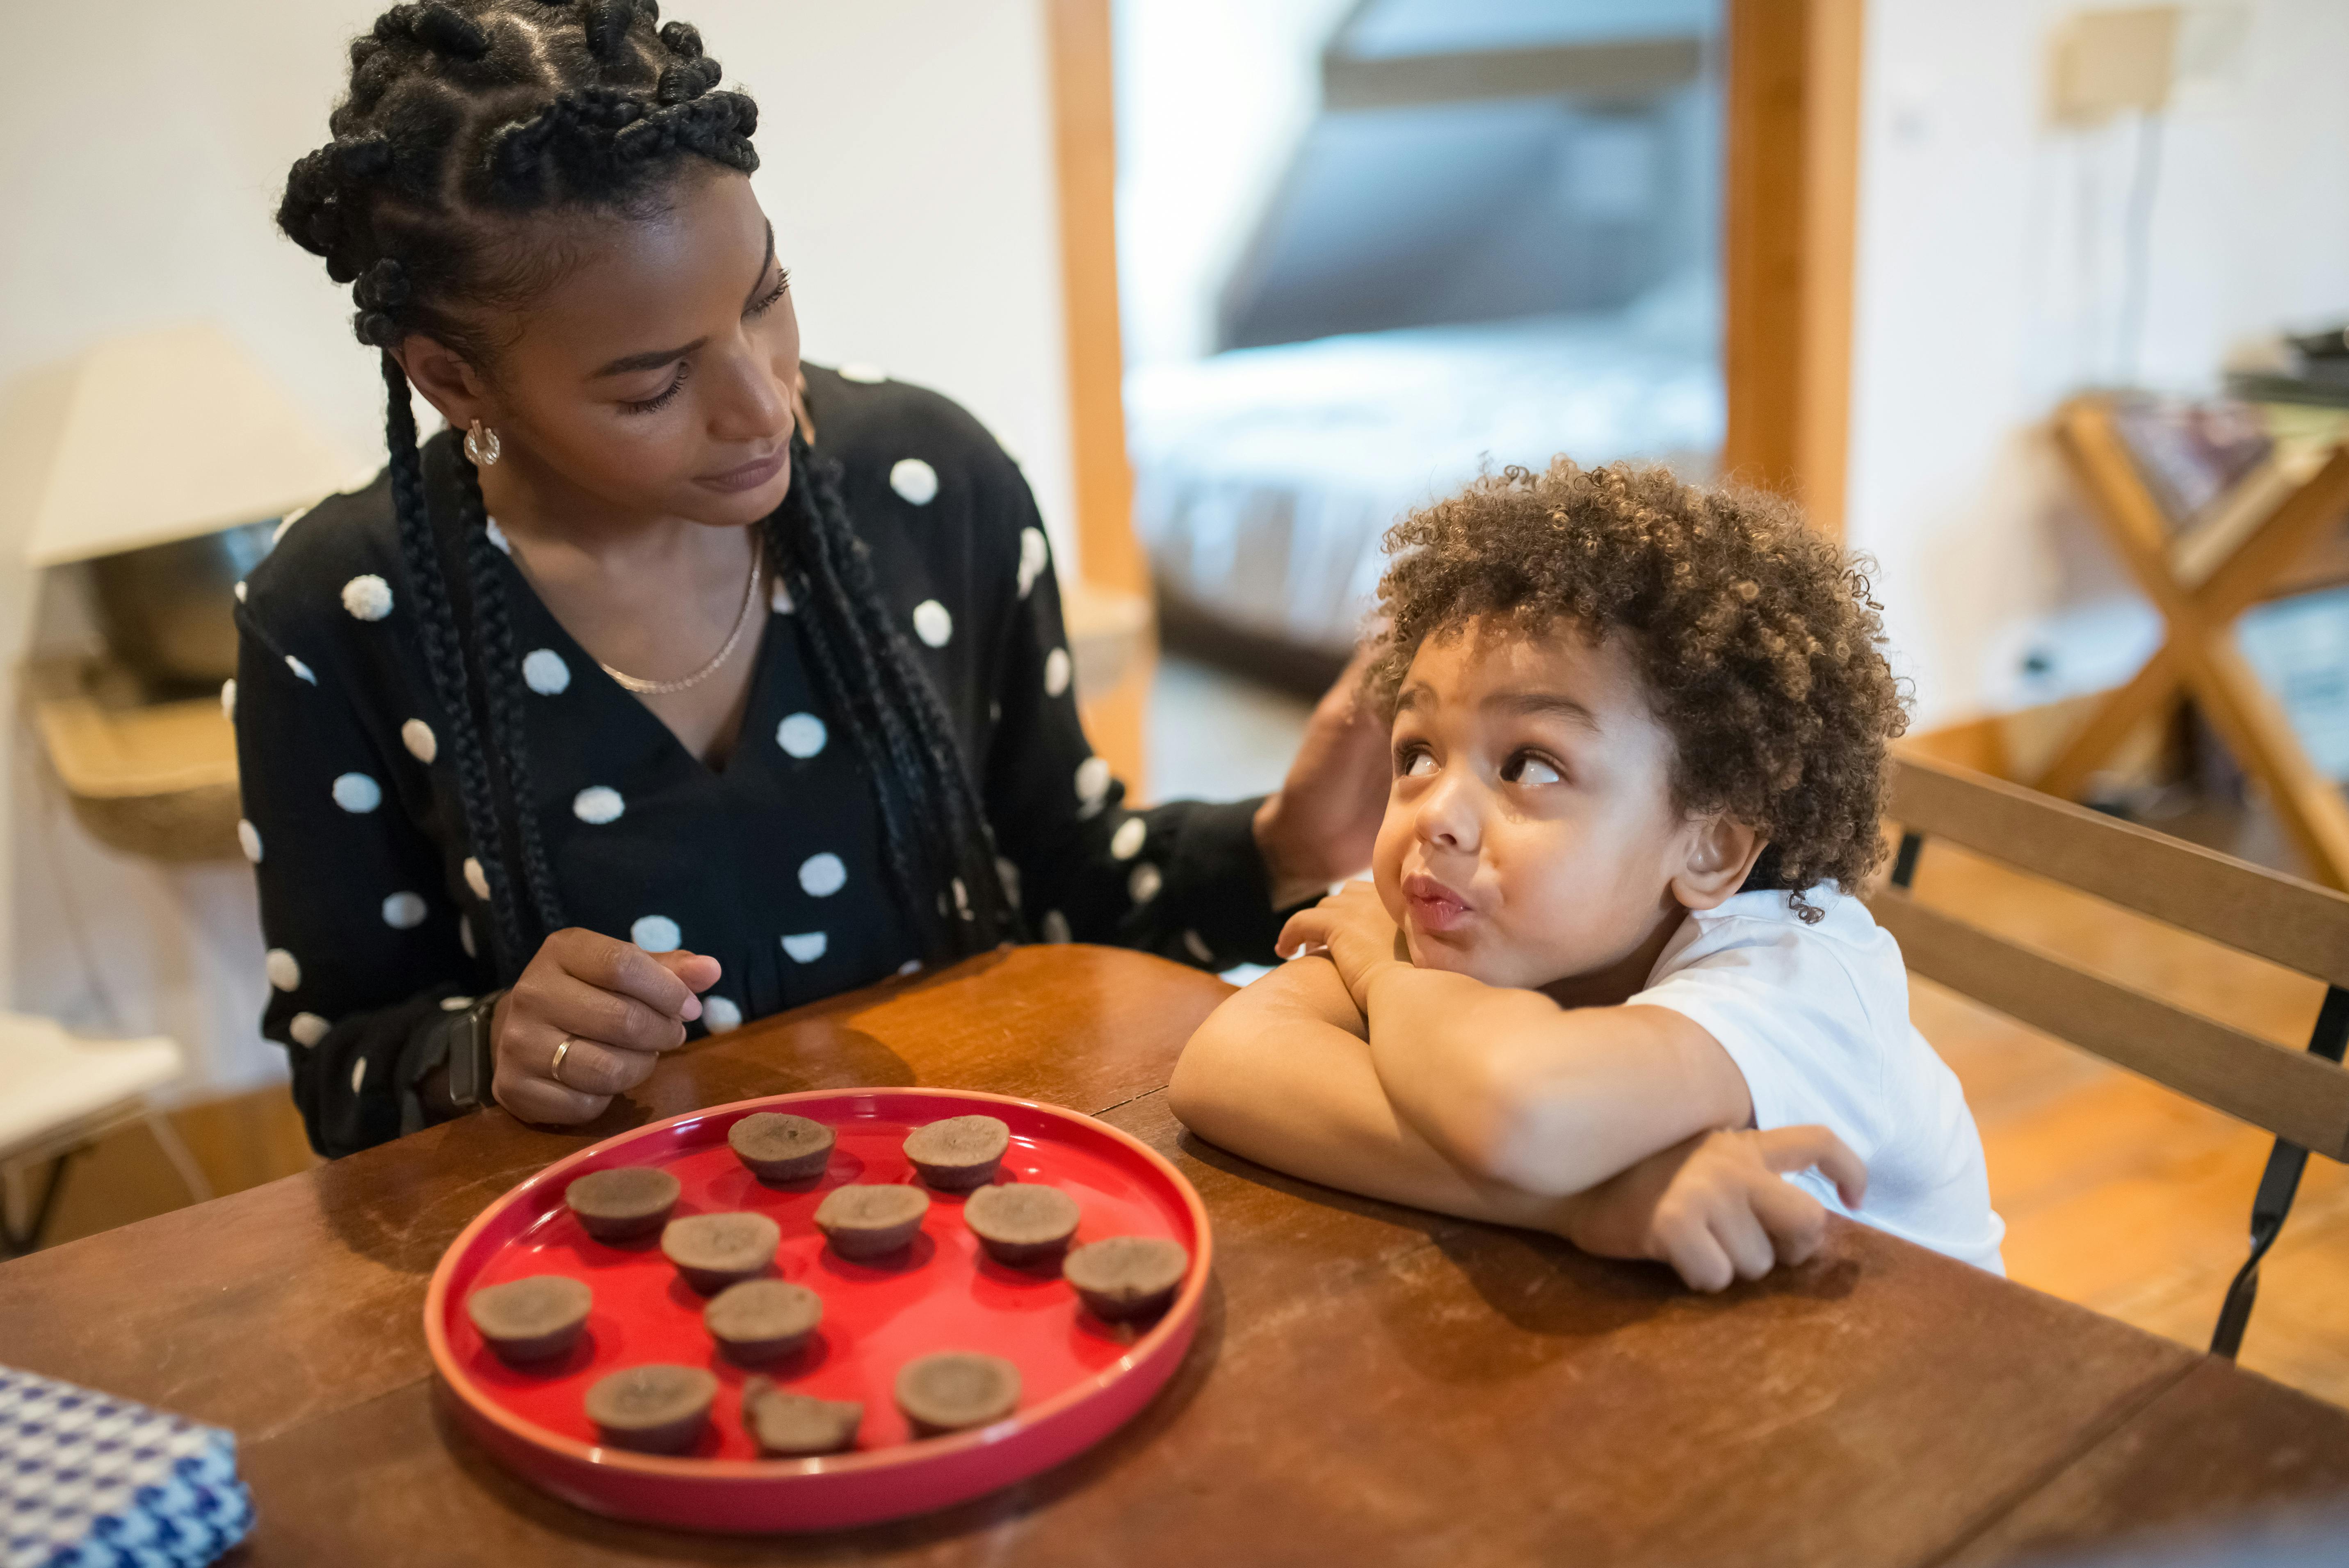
(1790,192)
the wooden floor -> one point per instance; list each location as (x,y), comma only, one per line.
(2117,1194)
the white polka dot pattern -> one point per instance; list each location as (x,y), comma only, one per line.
(356,793)
(806,947)
(358,1074)
(1093,781)
(239,590)
(961,899)
(543,671)
(597,804)
(1198,947)
(932,623)
(1143,884)
(228,700)
(285,969)
(465,935)
(656,934)
(779,596)
(497,535)
(915,479)
(1008,875)
(248,839)
(1057,671)
(1055,926)
(801,735)
(822,875)
(476,878)
(421,743)
(1035,554)
(455,1004)
(367,597)
(301,671)
(307,1028)
(404,911)
(857,370)
(1126,843)
(911,966)
(719,1015)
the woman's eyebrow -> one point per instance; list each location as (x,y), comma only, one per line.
(653,359)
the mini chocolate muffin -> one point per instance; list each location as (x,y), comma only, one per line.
(653,1408)
(714,1251)
(762,1319)
(533,1319)
(863,1220)
(955,1390)
(781,1149)
(958,1153)
(790,1426)
(624,1202)
(1022,1224)
(1127,1276)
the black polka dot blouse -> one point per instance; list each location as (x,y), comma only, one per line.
(374,909)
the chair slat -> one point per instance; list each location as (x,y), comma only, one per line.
(2281,918)
(2290,1093)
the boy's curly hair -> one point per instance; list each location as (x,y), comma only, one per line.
(1760,647)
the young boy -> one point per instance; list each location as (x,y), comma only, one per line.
(1611,982)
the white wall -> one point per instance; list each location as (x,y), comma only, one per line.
(907,165)
(1989,286)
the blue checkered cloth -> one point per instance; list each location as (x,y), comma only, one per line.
(88,1481)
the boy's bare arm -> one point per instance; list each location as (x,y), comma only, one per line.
(1511,1087)
(1281,1074)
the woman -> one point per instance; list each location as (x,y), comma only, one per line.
(692,683)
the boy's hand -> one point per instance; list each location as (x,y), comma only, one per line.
(1352,926)
(1715,1207)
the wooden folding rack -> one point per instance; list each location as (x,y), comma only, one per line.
(2296,546)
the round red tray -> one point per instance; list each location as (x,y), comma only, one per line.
(1081,1378)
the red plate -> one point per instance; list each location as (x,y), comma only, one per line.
(1079,1379)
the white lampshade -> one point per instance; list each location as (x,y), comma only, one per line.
(168,434)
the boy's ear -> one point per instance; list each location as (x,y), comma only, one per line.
(1718,853)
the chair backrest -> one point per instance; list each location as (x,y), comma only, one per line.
(2293,1094)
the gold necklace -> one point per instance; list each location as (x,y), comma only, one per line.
(644,687)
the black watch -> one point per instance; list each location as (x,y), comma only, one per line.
(472,1056)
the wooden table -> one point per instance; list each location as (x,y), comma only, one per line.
(1370,1384)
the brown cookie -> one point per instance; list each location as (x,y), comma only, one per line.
(958,1153)
(654,1409)
(762,1319)
(955,1390)
(792,1425)
(1127,1277)
(781,1149)
(714,1251)
(1022,1223)
(533,1319)
(622,1201)
(869,1221)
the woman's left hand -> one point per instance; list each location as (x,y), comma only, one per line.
(1319,827)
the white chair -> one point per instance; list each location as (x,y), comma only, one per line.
(61,1094)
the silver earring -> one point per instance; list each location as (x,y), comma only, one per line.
(481,445)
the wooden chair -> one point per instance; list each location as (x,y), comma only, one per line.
(2302,1096)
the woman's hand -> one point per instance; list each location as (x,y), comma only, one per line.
(1715,1207)
(1352,927)
(1319,826)
(620,1007)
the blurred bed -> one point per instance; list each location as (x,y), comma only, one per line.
(1263,477)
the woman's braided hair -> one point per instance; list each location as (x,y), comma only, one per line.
(464,117)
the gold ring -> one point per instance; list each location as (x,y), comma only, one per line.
(555,1070)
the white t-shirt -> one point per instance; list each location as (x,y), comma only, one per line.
(1816,1018)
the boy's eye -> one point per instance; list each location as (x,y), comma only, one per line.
(1526,767)
(1414,763)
